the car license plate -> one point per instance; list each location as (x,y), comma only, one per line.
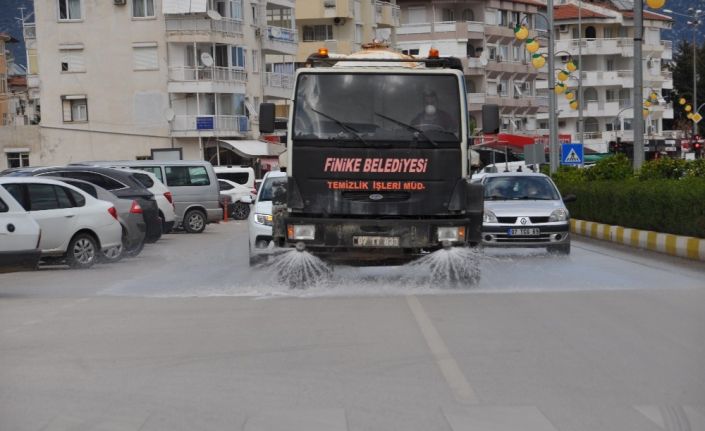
(524,232)
(376,241)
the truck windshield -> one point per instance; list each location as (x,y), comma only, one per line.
(373,107)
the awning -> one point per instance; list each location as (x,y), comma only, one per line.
(253,148)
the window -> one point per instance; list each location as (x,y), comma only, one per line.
(417,15)
(17,159)
(17,191)
(75,109)
(69,10)
(492,52)
(503,53)
(516,19)
(178,176)
(225,186)
(72,60)
(155,170)
(142,8)
(590,32)
(358,33)
(3,206)
(503,88)
(313,33)
(447,14)
(76,197)
(468,15)
(611,95)
(91,177)
(590,95)
(144,179)
(608,33)
(255,62)
(91,190)
(145,58)
(43,197)
(237,57)
(236,9)
(576,34)
(502,18)
(609,65)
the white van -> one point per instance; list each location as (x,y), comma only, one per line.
(243,175)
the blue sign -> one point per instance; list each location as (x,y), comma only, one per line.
(204,123)
(572,154)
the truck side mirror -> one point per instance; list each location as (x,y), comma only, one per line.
(266,117)
(490,119)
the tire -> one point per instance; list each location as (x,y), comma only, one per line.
(113,254)
(563,249)
(83,251)
(133,251)
(241,211)
(194,221)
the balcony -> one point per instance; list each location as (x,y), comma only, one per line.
(622,45)
(280,40)
(278,85)
(188,79)
(29,31)
(184,126)
(204,29)
(331,9)
(334,46)
(667,50)
(475,101)
(497,67)
(527,103)
(386,14)
(463,30)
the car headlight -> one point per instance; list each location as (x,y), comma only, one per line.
(265,219)
(301,231)
(489,217)
(558,215)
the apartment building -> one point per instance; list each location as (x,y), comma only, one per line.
(606,35)
(4,88)
(120,78)
(481,32)
(343,26)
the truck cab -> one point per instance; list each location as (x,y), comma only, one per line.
(377,169)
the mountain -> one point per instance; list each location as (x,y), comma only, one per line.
(9,11)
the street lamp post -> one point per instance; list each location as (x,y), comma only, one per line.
(638,84)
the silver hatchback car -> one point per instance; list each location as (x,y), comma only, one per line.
(524,210)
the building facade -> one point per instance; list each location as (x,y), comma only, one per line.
(122,77)
(606,39)
(343,26)
(497,68)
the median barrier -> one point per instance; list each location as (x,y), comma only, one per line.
(675,245)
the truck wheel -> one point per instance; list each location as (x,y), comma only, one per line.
(241,211)
(82,251)
(194,221)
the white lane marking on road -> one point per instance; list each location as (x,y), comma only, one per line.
(309,420)
(455,378)
(497,418)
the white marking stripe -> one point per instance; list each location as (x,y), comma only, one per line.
(451,371)
(673,418)
(497,418)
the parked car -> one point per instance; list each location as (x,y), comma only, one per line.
(243,175)
(239,210)
(193,185)
(525,210)
(19,236)
(260,219)
(119,182)
(75,226)
(162,194)
(130,216)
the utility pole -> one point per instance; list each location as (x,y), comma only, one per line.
(638,85)
(581,99)
(554,153)
(695,72)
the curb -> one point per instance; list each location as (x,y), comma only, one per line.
(675,245)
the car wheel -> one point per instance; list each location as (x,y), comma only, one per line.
(194,221)
(133,251)
(113,254)
(82,252)
(563,249)
(241,211)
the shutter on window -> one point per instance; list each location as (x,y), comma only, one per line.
(146,58)
(66,106)
(74,58)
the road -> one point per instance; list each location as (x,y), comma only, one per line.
(187,337)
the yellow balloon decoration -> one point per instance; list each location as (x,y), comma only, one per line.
(559,88)
(690,116)
(655,4)
(521,32)
(563,75)
(654,96)
(538,61)
(646,112)
(681,101)
(647,103)
(570,95)
(571,66)
(688,108)
(532,45)
(574,104)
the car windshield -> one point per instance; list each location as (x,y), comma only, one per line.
(423,109)
(269,188)
(520,187)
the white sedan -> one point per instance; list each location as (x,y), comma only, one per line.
(19,236)
(260,220)
(236,192)
(75,226)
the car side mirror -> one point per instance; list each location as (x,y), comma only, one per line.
(246,199)
(266,117)
(569,198)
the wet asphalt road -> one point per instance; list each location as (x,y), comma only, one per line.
(187,337)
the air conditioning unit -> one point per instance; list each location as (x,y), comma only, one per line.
(563,28)
(119,2)
(329,3)
(258,32)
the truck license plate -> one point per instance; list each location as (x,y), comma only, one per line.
(524,232)
(376,241)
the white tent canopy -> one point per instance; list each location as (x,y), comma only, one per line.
(253,148)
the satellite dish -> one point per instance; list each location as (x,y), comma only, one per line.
(206,59)
(214,15)
(169,114)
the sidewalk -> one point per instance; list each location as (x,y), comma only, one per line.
(675,245)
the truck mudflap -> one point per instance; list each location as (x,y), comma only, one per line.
(378,241)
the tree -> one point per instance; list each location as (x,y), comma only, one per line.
(683,79)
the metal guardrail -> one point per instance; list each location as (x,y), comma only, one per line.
(205,123)
(279,80)
(202,25)
(210,74)
(281,34)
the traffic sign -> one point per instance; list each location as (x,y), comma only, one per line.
(696,118)
(572,154)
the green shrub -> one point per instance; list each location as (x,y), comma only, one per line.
(695,168)
(663,168)
(617,167)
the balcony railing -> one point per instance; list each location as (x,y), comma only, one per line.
(215,73)
(30,31)
(476,98)
(281,34)
(205,123)
(226,26)
(592,135)
(279,80)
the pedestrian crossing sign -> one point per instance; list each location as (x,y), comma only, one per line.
(572,154)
